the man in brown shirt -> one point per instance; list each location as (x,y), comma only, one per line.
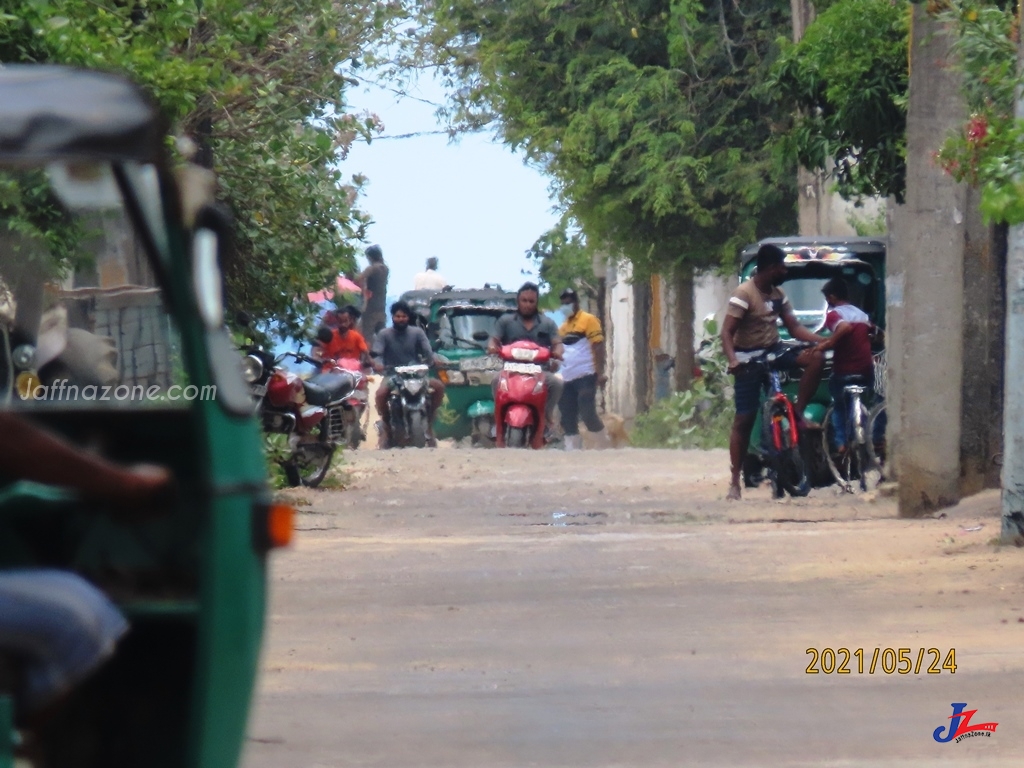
(751,329)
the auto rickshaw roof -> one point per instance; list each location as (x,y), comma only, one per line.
(818,248)
(475,295)
(462,308)
(59,113)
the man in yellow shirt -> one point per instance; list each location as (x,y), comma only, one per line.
(582,370)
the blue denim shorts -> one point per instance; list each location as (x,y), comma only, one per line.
(61,625)
(751,381)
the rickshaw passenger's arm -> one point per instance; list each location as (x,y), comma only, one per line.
(29,452)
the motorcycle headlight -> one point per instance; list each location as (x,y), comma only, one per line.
(414,386)
(252,368)
(538,386)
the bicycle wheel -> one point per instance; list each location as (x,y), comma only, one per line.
(785,464)
(877,421)
(855,460)
(837,456)
(866,468)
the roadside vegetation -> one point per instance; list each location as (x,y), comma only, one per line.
(698,417)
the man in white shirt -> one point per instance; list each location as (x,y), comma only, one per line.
(429,280)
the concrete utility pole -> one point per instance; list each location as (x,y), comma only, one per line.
(924,285)
(1013,397)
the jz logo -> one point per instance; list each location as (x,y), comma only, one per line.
(960,726)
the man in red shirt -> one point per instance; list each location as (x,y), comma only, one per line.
(852,361)
(345,341)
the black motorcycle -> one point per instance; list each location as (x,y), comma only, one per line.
(409,406)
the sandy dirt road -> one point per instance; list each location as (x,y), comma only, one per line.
(483,608)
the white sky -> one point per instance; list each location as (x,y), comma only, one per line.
(473,204)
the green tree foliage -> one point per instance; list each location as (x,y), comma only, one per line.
(256,85)
(646,114)
(988,152)
(564,261)
(848,80)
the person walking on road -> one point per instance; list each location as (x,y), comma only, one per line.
(374,283)
(583,369)
(430,280)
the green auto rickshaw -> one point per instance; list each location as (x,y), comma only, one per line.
(461,323)
(810,263)
(112,335)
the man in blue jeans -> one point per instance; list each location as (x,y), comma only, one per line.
(852,362)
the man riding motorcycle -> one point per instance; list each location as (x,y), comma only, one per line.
(402,344)
(526,323)
(342,340)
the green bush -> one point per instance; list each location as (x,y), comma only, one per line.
(699,417)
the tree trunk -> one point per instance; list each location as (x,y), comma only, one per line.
(683,320)
(642,342)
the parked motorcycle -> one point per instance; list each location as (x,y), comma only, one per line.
(522,396)
(314,413)
(355,405)
(409,406)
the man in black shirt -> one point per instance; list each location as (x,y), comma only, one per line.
(402,344)
(528,324)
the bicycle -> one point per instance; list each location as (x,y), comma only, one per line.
(780,437)
(854,459)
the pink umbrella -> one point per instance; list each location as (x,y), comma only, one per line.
(343,284)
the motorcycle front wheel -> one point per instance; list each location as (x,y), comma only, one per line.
(418,429)
(516,437)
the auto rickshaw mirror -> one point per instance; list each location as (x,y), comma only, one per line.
(83,186)
(206,278)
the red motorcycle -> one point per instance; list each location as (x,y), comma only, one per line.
(522,396)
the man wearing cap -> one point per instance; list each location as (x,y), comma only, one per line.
(583,369)
(374,283)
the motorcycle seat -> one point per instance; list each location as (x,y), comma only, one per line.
(324,388)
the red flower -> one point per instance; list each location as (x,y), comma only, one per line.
(977,129)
